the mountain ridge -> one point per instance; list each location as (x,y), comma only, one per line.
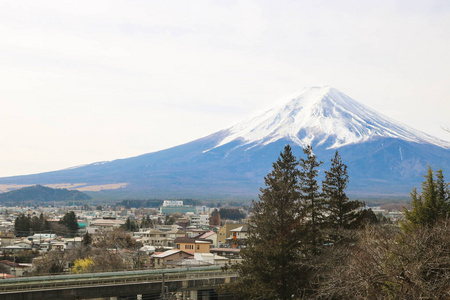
(383,156)
(324,111)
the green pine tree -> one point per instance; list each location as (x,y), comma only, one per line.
(130,225)
(442,194)
(343,213)
(87,239)
(36,224)
(271,266)
(22,225)
(431,204)
(314,205)
(70,221)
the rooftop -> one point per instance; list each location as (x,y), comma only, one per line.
(192,240)
(169,253)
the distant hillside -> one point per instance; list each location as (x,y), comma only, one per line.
(39,193)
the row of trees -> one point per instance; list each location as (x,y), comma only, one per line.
(27,225)
(291,223)
(146,222)
(310,243)
(230,213)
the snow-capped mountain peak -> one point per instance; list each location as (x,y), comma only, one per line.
(322,116)
(383,157)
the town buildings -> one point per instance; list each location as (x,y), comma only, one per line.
(188,241)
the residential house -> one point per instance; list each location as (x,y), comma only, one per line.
(155,237)
(73,242)
(6,226)
(18,246)
(14,268)
(204,220)
(44,247)
(238,237)
(39,238)
(7,239)
(57,245)
(194,220)
(166,259)
(194,232)
(145,255)
(211,259)
(107,224)
(210,235)
(174,232)
(224,232)
(194,245)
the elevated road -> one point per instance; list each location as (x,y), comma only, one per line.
(127,284)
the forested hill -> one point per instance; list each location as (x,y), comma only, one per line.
(39,193)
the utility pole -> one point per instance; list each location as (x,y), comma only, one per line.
(163,288)
(14,264)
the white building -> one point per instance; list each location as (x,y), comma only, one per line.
(172,203)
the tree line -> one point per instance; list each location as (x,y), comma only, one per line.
(26,225)
(309,241)
(230,213)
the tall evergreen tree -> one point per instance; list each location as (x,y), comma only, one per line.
(312,199)
(130,225)
(271,267)
(70,221)
(442,194)
(87,239)
(36,224)
(343,213)
(22,225)
(146,222)
(431,204)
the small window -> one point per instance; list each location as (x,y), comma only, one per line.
(198,247)
(178,246)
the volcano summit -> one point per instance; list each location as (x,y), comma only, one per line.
(384,157)
(324,116)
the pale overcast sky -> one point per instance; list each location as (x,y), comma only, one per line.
(87,81)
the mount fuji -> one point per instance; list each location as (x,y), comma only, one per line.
(383,156)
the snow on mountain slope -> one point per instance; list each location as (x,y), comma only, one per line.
(323,116)
(383,157)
